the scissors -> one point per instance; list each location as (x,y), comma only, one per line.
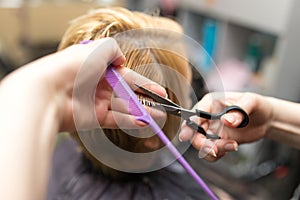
(124,92)
(172,108)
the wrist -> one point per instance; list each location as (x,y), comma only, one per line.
(29,89)
(284,125)
(272,116)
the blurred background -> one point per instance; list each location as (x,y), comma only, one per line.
(254,43)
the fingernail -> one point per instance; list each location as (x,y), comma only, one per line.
(179,138)
(207,151)
(231,147)
(140,123)
(183,135)
(213,152)
(86,41)
(166,95)
(229,118)
(156,87)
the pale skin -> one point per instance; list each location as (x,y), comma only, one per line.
(36,103)
(270,117)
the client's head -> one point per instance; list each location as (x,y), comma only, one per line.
(151,55)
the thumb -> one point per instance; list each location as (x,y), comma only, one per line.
(101,53)
(234,118)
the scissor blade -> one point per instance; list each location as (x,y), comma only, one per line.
(167,105)
(180,112)
(167,108)
(158,98)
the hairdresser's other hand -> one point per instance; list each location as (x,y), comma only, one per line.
(260,113)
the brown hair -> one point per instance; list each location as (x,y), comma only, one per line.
(108,22)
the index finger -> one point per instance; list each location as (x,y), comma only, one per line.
(132,78)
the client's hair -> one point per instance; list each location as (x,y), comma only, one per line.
(108,22)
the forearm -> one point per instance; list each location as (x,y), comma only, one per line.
(285,124)
(28,128)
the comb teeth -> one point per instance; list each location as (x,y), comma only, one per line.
(146,101)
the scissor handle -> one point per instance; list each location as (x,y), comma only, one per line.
(227,109)
(201,130)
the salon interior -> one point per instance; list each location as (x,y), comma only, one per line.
(251,45)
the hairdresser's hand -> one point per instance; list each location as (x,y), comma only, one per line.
(42,98)
(71,81)
(260,113)
(89,101)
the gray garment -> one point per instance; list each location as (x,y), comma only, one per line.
(296,195)
(73,178)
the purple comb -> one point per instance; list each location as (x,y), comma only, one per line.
(124,92)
